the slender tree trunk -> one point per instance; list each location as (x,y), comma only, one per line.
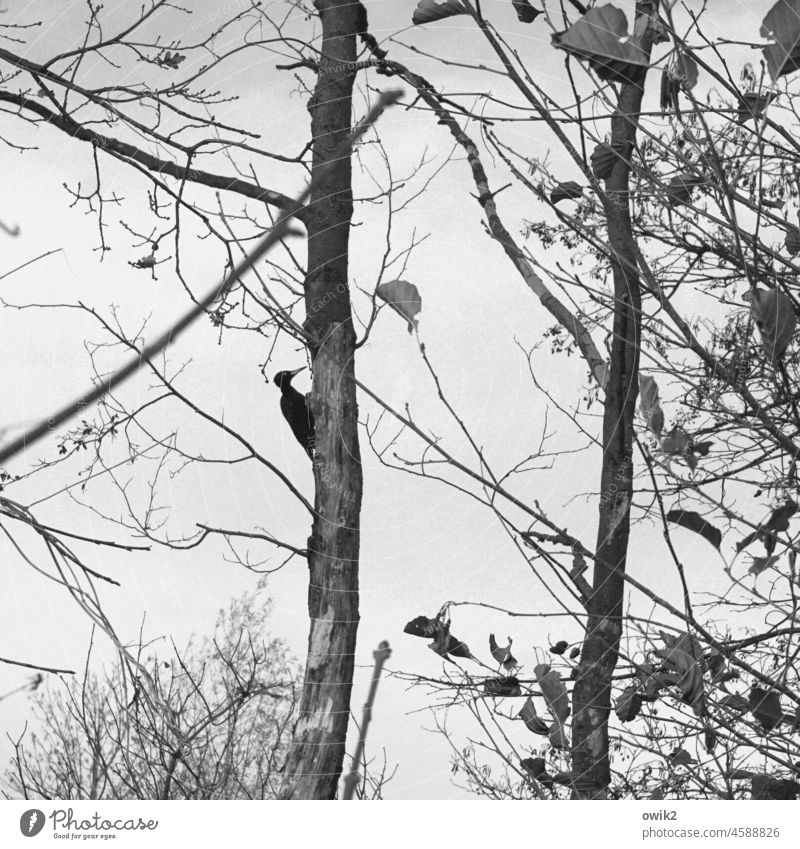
(591,699)
(382,654)
(317,752)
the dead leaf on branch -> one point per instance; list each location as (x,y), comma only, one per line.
(753,105)
(502,654)
(774,316)
(604,158)
(535,767)
(695,522)
(444,643)
(601,38)
(759,564)
(553,689)
(566,191)
(735,702)
(649,404)
(766,532)
(679,188)
(628,704)
(710,738)
(558,735)
(404,298)
(782,25)
(170,60)
(502,686)
(532,720)
(144,262)
(690,681)
(765,705)
(422,627)
(680,757)
(767,787)
(428,11)
(526,13)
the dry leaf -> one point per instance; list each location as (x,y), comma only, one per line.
(403,297)
(649,404)
(601,37)
(695,522)
(773,314)
(502,654)
(428,11)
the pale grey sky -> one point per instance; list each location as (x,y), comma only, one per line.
(422,543)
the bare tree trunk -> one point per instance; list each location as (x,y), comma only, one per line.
(317,752)
(592,694)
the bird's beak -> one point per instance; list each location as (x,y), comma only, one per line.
(297,371)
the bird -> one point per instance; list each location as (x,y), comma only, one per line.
(296,411)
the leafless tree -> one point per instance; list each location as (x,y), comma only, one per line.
(230,694)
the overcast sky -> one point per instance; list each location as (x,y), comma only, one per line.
(422,542)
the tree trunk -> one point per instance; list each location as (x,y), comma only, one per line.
(592,694)
(316,756)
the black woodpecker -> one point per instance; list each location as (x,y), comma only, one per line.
(296,411)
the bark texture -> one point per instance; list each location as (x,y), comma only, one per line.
(317,752)
(591,699)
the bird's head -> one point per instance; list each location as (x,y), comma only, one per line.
(283,379)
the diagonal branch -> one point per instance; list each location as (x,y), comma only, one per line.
(130,153)
(486,198)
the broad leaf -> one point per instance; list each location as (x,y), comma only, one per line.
(428,11)
(502,686)
(773,314)
(752,105)
(767,787)
(422,627)
(604,158)
(532,721)
(566,191)
(445,643)
(525,12)
(677,442)
(679,190)
(535,767)
(695,522)
(759,564)
(680,757)
(778,521)
(554,692)
(558,735)
(691,675)
(685,71)
(735,702)
(765,705)
(404,297)
(649,404)
(782,25)
(601,37)
(628,704)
